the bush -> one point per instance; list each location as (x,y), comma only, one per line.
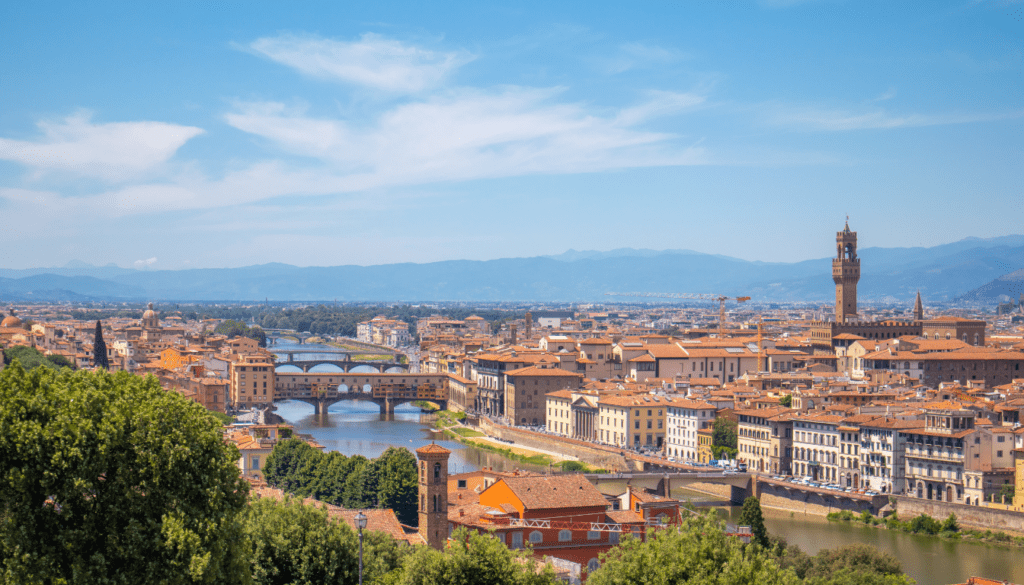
(924,524)
(572,466)
(950,524)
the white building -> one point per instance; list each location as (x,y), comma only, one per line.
(816,447)
(683,419)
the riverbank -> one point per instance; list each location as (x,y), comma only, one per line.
(925,525)
(450,424)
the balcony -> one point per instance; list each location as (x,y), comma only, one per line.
(948,455)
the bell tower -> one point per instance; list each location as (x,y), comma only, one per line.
(846,273)
(433,504)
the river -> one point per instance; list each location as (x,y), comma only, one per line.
(355,428)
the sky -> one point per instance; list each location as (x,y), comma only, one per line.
(221,134)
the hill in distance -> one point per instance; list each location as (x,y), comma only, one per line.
(942,273)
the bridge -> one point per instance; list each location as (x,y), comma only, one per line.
(273,335)
(341,358)
(741,484)
(386,390)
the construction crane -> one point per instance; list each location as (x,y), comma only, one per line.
(697,297)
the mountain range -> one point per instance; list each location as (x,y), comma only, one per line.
(955,271)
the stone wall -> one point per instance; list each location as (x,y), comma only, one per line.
(981,517)
(610,460)
(810,502)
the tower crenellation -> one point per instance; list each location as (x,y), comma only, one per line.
(846,274)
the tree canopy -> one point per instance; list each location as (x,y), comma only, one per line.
(471,558)
(31,358)
(699,553)
(297,544)
(724,437)
(108,478)
(352,482)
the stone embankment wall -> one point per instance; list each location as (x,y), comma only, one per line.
(980,517)
(811,502)
(592,455)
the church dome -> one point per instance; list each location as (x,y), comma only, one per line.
(150,313)
(11,321)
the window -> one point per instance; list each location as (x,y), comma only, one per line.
(593,565)
(536,537)
(593,535)
(517,540)
(564,535)
(462,484)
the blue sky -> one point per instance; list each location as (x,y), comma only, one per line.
(325,133)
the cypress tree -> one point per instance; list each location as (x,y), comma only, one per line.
(99,349)
(751,516)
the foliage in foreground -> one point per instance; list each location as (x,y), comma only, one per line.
(107,478)
(701,553)
(30,358)
(471,559)
(297,544)
(698,553)
(352,482)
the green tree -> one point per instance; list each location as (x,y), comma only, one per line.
(295,544)
(108,478)
(723,436)
(855,564)
(751,516)
(698,553)
(471,558)
(99,349)
(31,358)
(398,487)
(258,334)
(1007,490)
(282,467)
(950,524)
(787,401)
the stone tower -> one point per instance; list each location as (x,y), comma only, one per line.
(433,505)
(918,308)
(846,273)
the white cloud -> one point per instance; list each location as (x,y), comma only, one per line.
(824,119)
(469,134)
(145,263)
(887,95)
(112,151)
(639,55)
(372,61)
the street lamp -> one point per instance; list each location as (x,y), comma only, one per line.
(360,524)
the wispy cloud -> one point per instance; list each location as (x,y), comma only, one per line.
(112,151)
(886,95)
(638,56)
(468,134)
(372,61)
(823,119)
(145,263)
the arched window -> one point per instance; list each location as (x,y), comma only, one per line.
(564,535)
(536,537)
(437,471)
(434,504)
(593,565)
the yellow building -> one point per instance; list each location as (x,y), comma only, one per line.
(635,421)
(704,450)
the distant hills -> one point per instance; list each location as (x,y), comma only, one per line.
(942,273)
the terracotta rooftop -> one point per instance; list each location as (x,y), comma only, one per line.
(432,449)
(559,491)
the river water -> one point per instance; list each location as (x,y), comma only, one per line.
(355,428)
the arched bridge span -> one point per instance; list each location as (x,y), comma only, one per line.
(386,390)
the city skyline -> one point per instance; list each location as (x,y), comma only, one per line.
(212,137)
